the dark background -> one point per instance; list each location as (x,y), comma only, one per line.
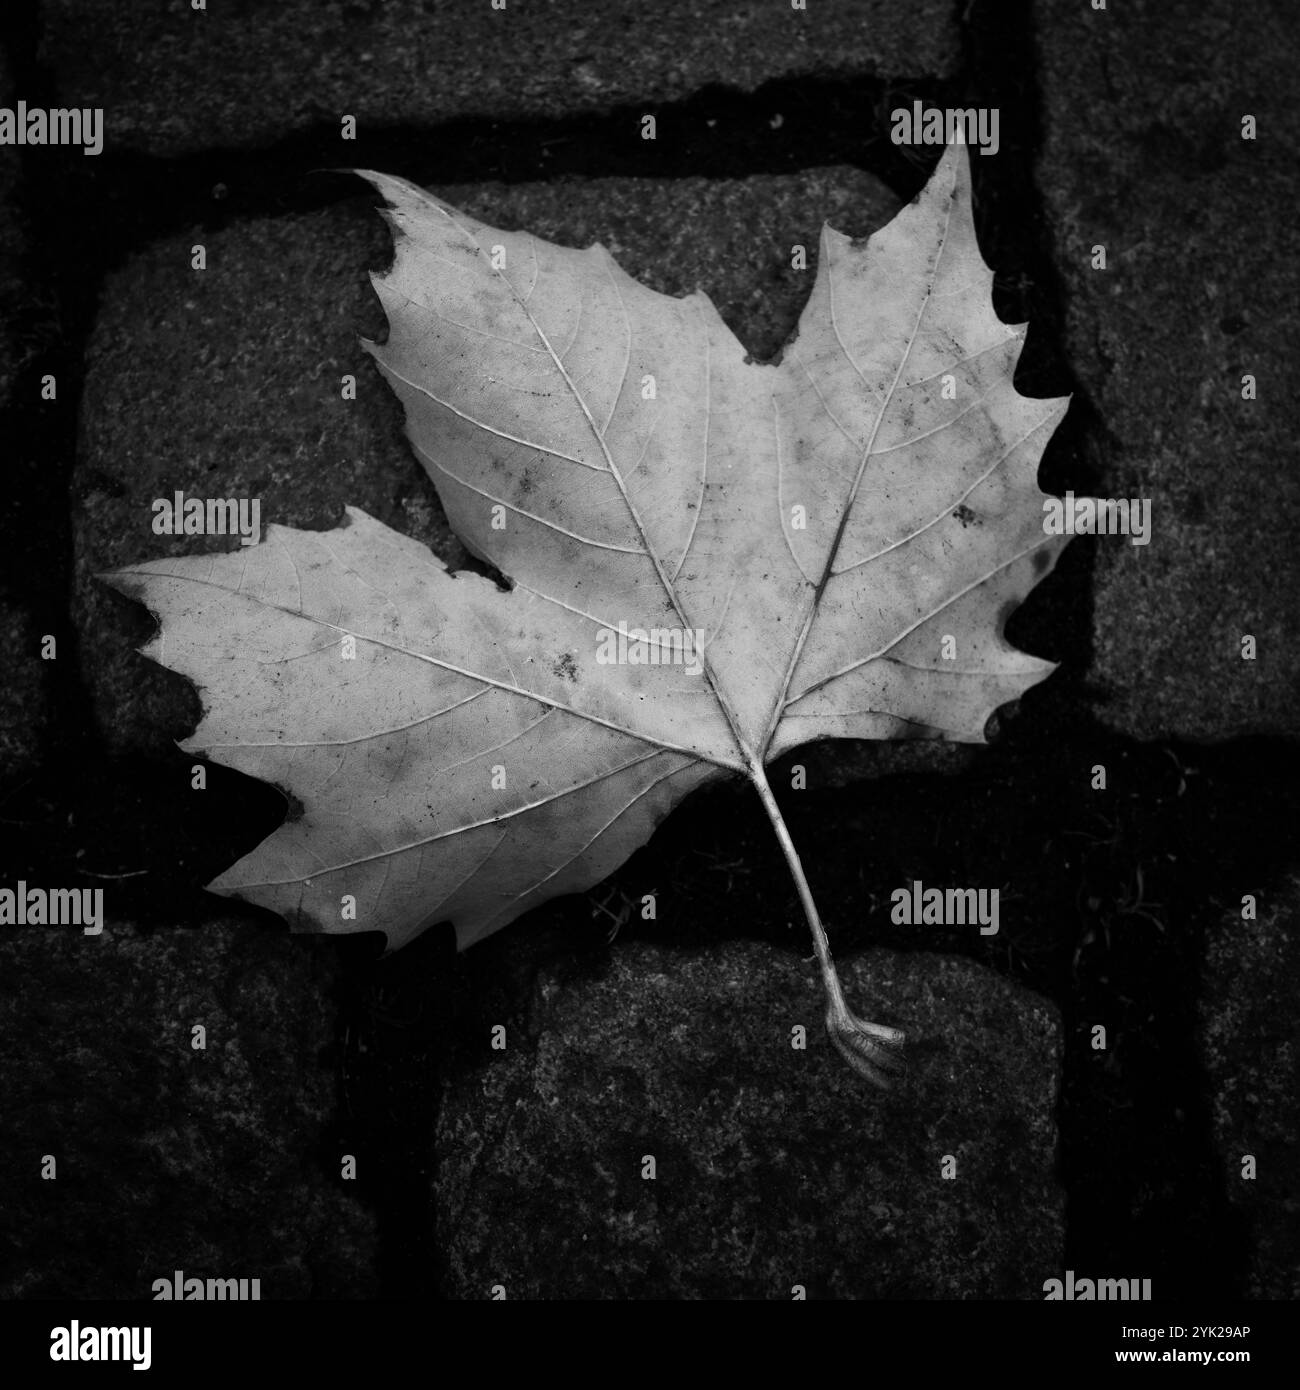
(1118,127)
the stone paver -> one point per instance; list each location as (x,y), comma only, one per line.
(773,1167)
(1142,113)
(172,80)
(22,691)
(169,1157)
(1251,1045)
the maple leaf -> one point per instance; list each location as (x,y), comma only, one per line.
(711,560)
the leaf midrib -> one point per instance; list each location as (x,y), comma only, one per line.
(748,755)
(828,569)
(449,666)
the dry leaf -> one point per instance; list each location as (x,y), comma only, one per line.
(799,538)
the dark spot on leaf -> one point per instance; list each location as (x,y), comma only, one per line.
(1042,562)
(565,668)
(965,515)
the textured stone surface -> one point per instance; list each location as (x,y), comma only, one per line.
(22,706)
(1142,108)
(23,716)
(1251,1044)
(225,383)
(215,1162)
(774,1167)
(291,66)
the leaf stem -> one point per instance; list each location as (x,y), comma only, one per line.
(873,1050)
(834,994)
